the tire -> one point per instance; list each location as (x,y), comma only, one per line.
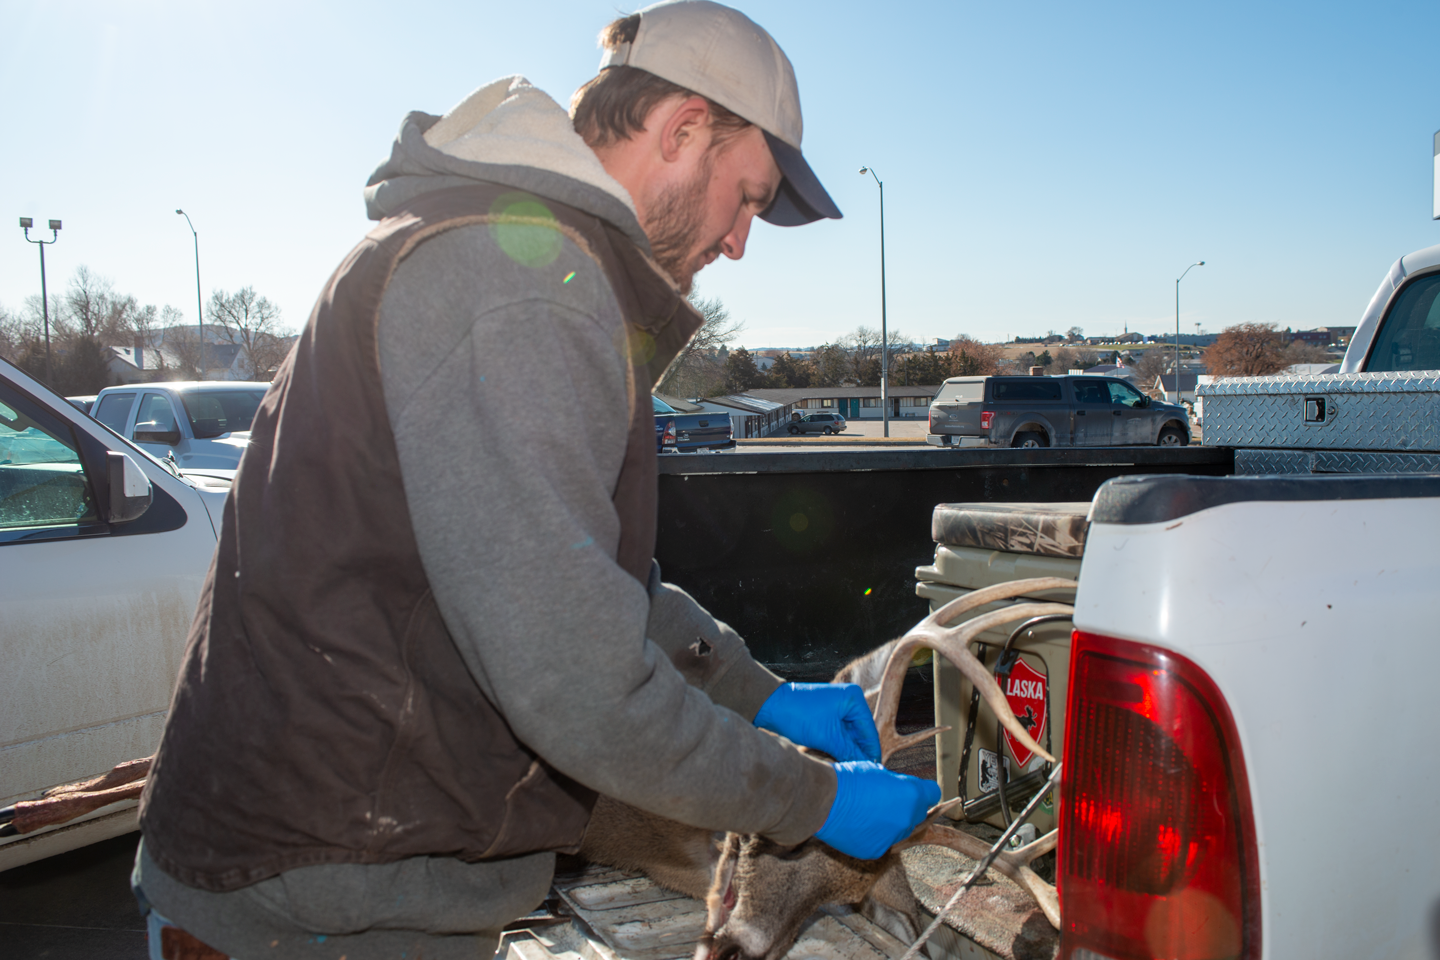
(826,430)
(1030,440)
(1172,437)
(794,430)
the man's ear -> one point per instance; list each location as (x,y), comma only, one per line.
(687,127)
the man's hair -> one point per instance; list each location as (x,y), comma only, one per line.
(614,105)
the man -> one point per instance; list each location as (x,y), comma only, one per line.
(433,628)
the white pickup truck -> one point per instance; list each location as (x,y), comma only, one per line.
(103,550)
(1249,763)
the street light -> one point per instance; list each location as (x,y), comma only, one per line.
(25,224)
(199,310)
(1198,263)
(884,334)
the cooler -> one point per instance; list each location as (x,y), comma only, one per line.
(979,545)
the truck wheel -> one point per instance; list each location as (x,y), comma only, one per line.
(1029,440)
(1172,437)
(794,430)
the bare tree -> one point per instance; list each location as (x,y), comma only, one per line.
(1299,351)
(1153,362)
(96,311)
(1246,350)
(863,345)
(1075,358)
(973,358)
(831,365)
(1075,333)
(183,344)
(696,371)
(252,323)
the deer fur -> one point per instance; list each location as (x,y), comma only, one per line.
(759,894)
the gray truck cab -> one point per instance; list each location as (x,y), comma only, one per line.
(1019,411)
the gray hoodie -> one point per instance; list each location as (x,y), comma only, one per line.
(503,366)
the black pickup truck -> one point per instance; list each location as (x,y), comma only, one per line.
(677,432)
(1080,411)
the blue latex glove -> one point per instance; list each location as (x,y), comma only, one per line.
(875,809)
(833,717)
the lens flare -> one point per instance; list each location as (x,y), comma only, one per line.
(525,229)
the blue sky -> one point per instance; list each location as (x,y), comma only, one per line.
(1045,164)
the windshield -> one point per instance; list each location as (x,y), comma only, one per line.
(213,413)
(661,406)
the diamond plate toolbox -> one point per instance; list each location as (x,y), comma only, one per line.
(1393,412)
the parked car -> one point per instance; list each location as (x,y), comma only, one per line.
(202,424)
(104,550)
(1081,411)
(677,432)
(817,423)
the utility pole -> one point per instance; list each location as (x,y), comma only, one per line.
(25,224)
(1192,266)
(199,308)
(884,333)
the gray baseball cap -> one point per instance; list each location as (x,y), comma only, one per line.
(722,54)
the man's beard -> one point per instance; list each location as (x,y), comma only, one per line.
(676,218)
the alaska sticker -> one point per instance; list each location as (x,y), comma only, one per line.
(1025,690)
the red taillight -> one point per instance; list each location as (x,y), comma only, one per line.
(986,416)
(668,439)
(1157,838)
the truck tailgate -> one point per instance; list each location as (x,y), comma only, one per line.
(606,914)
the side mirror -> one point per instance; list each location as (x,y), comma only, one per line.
(168,437)
(1144,400)
(130,491)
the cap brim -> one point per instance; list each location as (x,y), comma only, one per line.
(800,199)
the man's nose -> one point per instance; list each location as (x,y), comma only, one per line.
(733,245)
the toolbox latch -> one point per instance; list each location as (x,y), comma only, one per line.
(1315,409)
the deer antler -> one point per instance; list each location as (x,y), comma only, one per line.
(953,644)
(1014,865)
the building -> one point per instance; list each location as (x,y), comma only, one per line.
(763,412)
(1164,387)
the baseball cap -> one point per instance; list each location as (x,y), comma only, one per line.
(722,54)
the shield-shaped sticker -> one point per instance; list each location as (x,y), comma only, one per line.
(1025,690)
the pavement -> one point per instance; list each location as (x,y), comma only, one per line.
(74,906)
(866,432)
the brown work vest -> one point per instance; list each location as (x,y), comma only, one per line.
(323,713)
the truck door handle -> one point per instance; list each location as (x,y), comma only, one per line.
(1117,412)
(1079,413)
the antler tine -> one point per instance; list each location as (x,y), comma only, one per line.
(1036,848)
(1000,591)
(953,644)
(1041,892)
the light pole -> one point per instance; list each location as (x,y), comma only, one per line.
(25,224)
(884,333)
(1198,263)
(199,309)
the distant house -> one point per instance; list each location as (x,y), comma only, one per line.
(1164,386)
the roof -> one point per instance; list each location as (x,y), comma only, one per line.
(679,405)
(785,395)
(1187,381)
(747,403)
